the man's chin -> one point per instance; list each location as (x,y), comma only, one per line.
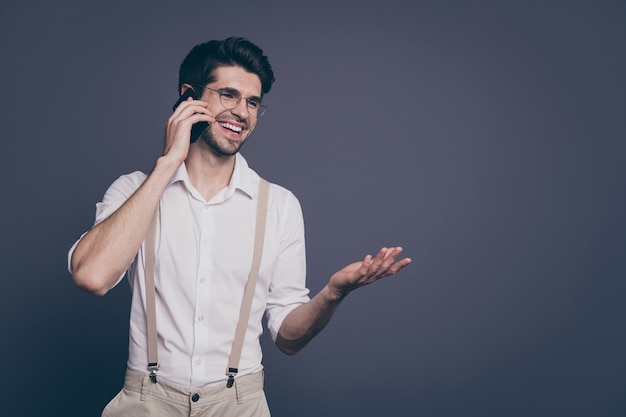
(219,149)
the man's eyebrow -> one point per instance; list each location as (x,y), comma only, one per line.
(229,90)
(234,90)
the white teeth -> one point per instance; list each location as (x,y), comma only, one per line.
(232,127)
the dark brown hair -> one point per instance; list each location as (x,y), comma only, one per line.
(199,65)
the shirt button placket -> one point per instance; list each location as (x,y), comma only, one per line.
(201,296)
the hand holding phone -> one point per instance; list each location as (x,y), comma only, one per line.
(198,128)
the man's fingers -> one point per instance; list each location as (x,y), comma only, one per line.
(386,263)
(388,256)
(397,266)
(189,108)
(365,265)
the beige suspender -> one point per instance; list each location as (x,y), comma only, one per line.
(246,305)
(151,332)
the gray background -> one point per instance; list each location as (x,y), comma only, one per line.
(486,137)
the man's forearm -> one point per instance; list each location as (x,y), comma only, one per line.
(107,250)
(306,321)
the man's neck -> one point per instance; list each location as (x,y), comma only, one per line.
(208,172)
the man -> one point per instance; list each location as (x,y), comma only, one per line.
(204,198)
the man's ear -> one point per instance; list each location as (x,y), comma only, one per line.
(184,88)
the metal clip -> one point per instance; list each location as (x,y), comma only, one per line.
(153,368)
(231,372)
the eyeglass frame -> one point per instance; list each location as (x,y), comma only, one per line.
(263,107)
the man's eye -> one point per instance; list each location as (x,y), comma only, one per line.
(254,104)
(227,95)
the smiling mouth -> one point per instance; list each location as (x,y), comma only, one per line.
(232,128)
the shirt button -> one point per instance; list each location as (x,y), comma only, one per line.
(195,397)
(202,280)
(198,362)
(200,318)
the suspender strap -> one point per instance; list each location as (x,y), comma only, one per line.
(153,356)
(246,305)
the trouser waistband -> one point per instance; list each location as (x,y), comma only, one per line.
(244,385)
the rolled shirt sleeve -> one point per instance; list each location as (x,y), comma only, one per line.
(114,197)
(288,284)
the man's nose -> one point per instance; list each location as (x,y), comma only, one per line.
(241,109)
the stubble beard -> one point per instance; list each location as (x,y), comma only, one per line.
(223,147)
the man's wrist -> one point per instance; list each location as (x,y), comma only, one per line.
(167,163)
(334,294)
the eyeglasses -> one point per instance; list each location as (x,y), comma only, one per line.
(230,98)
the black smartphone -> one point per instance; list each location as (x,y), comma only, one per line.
(197,128)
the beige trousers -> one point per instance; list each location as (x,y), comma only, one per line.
(142,398)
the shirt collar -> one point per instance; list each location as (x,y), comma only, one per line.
(243,178)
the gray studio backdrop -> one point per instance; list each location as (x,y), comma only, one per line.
(485,137)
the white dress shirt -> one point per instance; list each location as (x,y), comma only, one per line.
(203,257)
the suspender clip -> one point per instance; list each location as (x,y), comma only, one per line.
(153,367)
(231,372)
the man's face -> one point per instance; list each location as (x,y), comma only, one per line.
(232,126)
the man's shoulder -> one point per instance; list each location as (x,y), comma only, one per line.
(282,197)
(127,184)
(280,190)
(136,177)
